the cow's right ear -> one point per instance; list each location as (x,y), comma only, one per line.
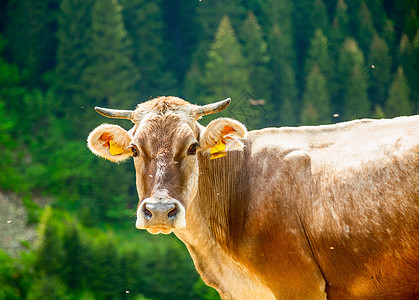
(110,142)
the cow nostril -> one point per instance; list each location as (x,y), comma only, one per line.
(147,213)
(172,213)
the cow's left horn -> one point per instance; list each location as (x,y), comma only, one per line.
(212,108)
(115,113)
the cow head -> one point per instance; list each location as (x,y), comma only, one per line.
(164,142)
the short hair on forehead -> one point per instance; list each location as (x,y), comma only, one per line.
(163,106)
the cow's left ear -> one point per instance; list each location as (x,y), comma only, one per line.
(222,135)
(110,142)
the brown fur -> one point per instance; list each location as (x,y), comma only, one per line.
(299,211)
(164,140)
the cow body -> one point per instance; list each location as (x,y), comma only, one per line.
(298,213)
(330,205)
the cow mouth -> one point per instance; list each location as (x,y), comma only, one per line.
(158,230)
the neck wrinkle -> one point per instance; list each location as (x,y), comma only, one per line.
(222,197)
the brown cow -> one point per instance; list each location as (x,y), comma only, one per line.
(300,213)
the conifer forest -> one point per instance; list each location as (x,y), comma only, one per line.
(67,217)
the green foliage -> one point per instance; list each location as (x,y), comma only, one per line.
(316,99)
(8,275)
(379,62)
(319,17)
(60,58)
(145,24)
(73,19)
(389,36)
(255,50)
(355,95)
(205,292)
(50,251)
(47,287)
(226,72)
(73,256)
(413,76)
(104,264)
(319,54)
(378,112)
(210,14)
(284,84)
(398,103)
(280,33)
(109,77)
(352,78)
(33,210)
(366,30)
(340,27)
(31,32)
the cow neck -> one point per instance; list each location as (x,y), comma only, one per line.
(222,189)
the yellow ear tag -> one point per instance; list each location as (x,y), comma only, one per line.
(114,149)
(218,150)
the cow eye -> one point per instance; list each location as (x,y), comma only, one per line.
(134,150)
(192,149)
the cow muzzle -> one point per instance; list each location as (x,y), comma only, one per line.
(160,215)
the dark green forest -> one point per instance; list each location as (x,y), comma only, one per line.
(283,63)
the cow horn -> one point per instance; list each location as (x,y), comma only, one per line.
(212,108)
(115,113)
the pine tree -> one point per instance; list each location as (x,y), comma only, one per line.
(319,17)
(365,31)
(50,252)
(145,26)
(255,51)
(390,37)
(132,271)
(411,25)
(105,268)
(408,59)
(398,103)
(209,15)
(318,54)
(73,20)
(287,109)
(31,32)
(350,57)
(180,35)
(283,64)
(340,27)
(226,73)
(378,14)
(378,112)
(379,62)
(110,77)
(193,84)
(47,287)
(73,258)
(405,53)
(278,13)
(316,99)
(303,31)
(413,77)
(355,95)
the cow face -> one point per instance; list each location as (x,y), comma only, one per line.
(163,143)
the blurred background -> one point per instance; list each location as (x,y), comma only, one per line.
(67,217)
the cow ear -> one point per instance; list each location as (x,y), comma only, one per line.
(110,142)
(222,135)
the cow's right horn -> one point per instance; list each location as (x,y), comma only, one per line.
(212,108)
(115,113)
